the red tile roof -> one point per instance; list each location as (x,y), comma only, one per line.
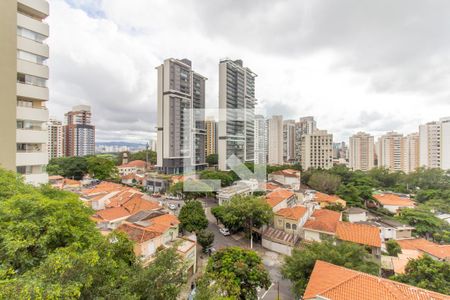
(271,186)
(277,196)
(134,164)
(111,214)
(436,250)
(293,213)
(323,220)
(391,199)
(287,173)
(338,283)
(137,233)
(321,197)
(359,233)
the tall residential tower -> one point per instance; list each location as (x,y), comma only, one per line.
(23,87)
(79,133)
(361,151)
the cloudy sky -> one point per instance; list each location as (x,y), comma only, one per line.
(355,65)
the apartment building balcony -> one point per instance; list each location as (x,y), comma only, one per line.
(32,91)
(32,68)
(31,136)
(24,158)
(32,24)
(38,9)
(31,113)
(32,46)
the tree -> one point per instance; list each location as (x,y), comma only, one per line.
(102,168)
(324,182)
(225,178)
(212,159)
(424,221)
(142,155)
(299,266)
(244,212)
(236,273)
(191,189)
(71,167)
(393,248)
(205,238)
(192,217)
(427,273)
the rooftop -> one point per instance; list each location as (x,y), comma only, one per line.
(277,196)
(293,213)
(338,283)
(323,220)
(391,199)
(321,197)
(436,250)
(359,233)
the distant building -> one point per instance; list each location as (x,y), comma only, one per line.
(435,144)
(411,157)
(361,150)
(260,140)
(289,141)
(306,125)
(79,133)
(317,150)
(237,112)
(393,202)
(275,140)
(390,151)
(180,117)
(211,136)
(55,145)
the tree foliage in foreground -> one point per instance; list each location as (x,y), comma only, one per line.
(299,266)
(427,273)
(233,273)
(205,238)
(52,250)
(192,217)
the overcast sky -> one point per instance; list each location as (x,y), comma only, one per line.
(371,65)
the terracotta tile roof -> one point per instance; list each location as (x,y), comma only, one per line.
(338,283)
(137,233)
(134,164)
(149,229)
(399,263)
(293,213)
(321,197)
(68,181)
(55,177)
(436,250)
(287,173)
(323,220)
(104,187)
(271,186)
(110,214)
(359,233)
(137,204)
(391,199)
(166,219)
(277,196)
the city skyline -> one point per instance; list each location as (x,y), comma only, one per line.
(347,88)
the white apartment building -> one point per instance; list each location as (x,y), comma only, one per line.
(289,141)
(306,125)
(411,152)
(434,148)
(23,87)
(275,140)
(317,150)
(260,140)
(361,151)
(237,112)
(181,130)
(55,145)
(390,152)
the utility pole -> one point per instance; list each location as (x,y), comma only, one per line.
(251,232)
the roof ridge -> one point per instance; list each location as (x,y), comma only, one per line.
(338,284)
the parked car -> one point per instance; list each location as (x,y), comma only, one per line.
(172,206)
(224,231)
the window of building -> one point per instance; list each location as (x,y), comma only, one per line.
(294,226)
(29,34)
(31,57)
(32,80)
(288,225)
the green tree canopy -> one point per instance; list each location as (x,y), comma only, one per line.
(427,273)
(191,189)
(225,178)
(299,266)
(212,159)
(424,221)
(236,273)
(102,168)
(205,238)
(71,167)
(192,217)
(324,182)
(393,248)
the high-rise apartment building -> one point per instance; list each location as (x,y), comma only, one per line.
(55,144)
(434,142)
(306,125)
(411,152)
(23,87)
(181,118)
(361,151)
(390,151)
(260,140)
(211,136)
(275,140)
(237,112)
(289,141)
(79,133)
(317,150)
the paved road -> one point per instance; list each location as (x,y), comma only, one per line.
(271,260)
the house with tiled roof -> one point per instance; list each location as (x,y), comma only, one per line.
(281,198)
(321,224)
(111,218)
(436,251)
(289,178)
(365,235)
(323,200)
(291,219)
(133,167)
(393,202)
(333,282)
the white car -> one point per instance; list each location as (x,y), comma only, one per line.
(172,206)
(224,231)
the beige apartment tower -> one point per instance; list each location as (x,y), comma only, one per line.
(361,151)
(55,145)
(211,136)
(275,140)
(434,141)
(23,88)
(411,155)
(317,150)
